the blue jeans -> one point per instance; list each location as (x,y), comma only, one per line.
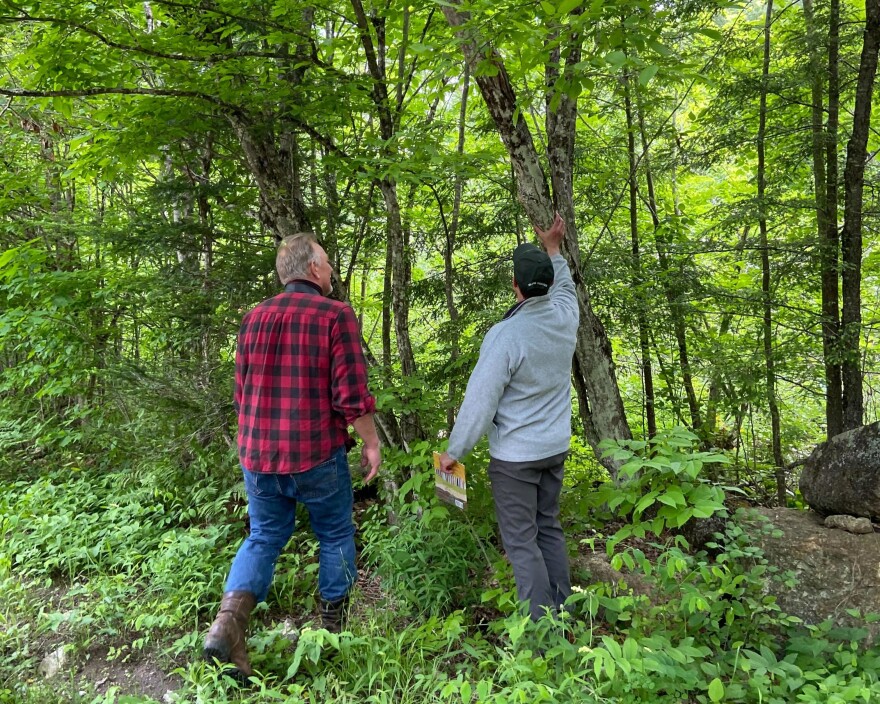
(326,492)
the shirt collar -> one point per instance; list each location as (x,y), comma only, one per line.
(514,309)
(303,286)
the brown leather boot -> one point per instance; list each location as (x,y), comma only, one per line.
(227,638)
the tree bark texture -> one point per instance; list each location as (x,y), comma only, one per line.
(831,246)
(282,210)
(851,238)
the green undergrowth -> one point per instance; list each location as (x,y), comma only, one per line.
(131,564)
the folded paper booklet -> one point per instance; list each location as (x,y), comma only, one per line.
(450,486)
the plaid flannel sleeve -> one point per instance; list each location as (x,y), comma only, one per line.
(240,369)
(350,395)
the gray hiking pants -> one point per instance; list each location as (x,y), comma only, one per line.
(527,506)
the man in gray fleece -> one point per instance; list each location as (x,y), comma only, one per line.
(520,393)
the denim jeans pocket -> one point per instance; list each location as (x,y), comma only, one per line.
(261,484)
(319,481)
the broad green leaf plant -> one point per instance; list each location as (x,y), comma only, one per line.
(660,486)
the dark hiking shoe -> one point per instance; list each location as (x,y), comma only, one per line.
(334,614)
(226,641)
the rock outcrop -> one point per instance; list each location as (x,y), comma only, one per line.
(835,570)
(842,476)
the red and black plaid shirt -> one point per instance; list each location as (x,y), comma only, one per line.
(300,380)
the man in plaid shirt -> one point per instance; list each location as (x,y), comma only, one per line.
(300,381)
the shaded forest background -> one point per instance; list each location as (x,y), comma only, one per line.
(715,163)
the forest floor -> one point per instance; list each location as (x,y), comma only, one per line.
(114,670)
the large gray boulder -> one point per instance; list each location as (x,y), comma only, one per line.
(835,570)
(842,476)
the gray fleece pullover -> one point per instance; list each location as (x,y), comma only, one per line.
(520,390)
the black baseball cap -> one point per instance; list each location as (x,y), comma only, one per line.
(532,270)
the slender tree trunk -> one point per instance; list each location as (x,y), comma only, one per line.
(363,232)
(387,287)
(449,249)
(851,239)
(400,276)
(639,292)
(374,49)
(669,379)
(765,270)
(607,418)
(716,384)
(206,226)
(827,249)
(831,243)
(669,289)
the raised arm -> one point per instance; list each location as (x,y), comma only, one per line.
(562,293)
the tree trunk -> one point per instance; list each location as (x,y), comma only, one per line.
(831,241)
(637,279)
(451,235)
(668,277)
(607,418)
(851,239)
(207,227)
(717,383)
(399,259)
(282,208)
(827,250)
(765,270)
(387,287)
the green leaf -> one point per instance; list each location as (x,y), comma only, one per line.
(657,525)
(487,67)
(716,690)
(616,58)
(645,501)
(7,256)
(669,500)
(660,48)
(709,32)
(567,6)
(646,74)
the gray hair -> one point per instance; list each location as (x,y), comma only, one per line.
(295,253)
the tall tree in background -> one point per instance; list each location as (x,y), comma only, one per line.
(638,279)
(159,150)
(766,295)
(851,237)
(823,152)
(373,37)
